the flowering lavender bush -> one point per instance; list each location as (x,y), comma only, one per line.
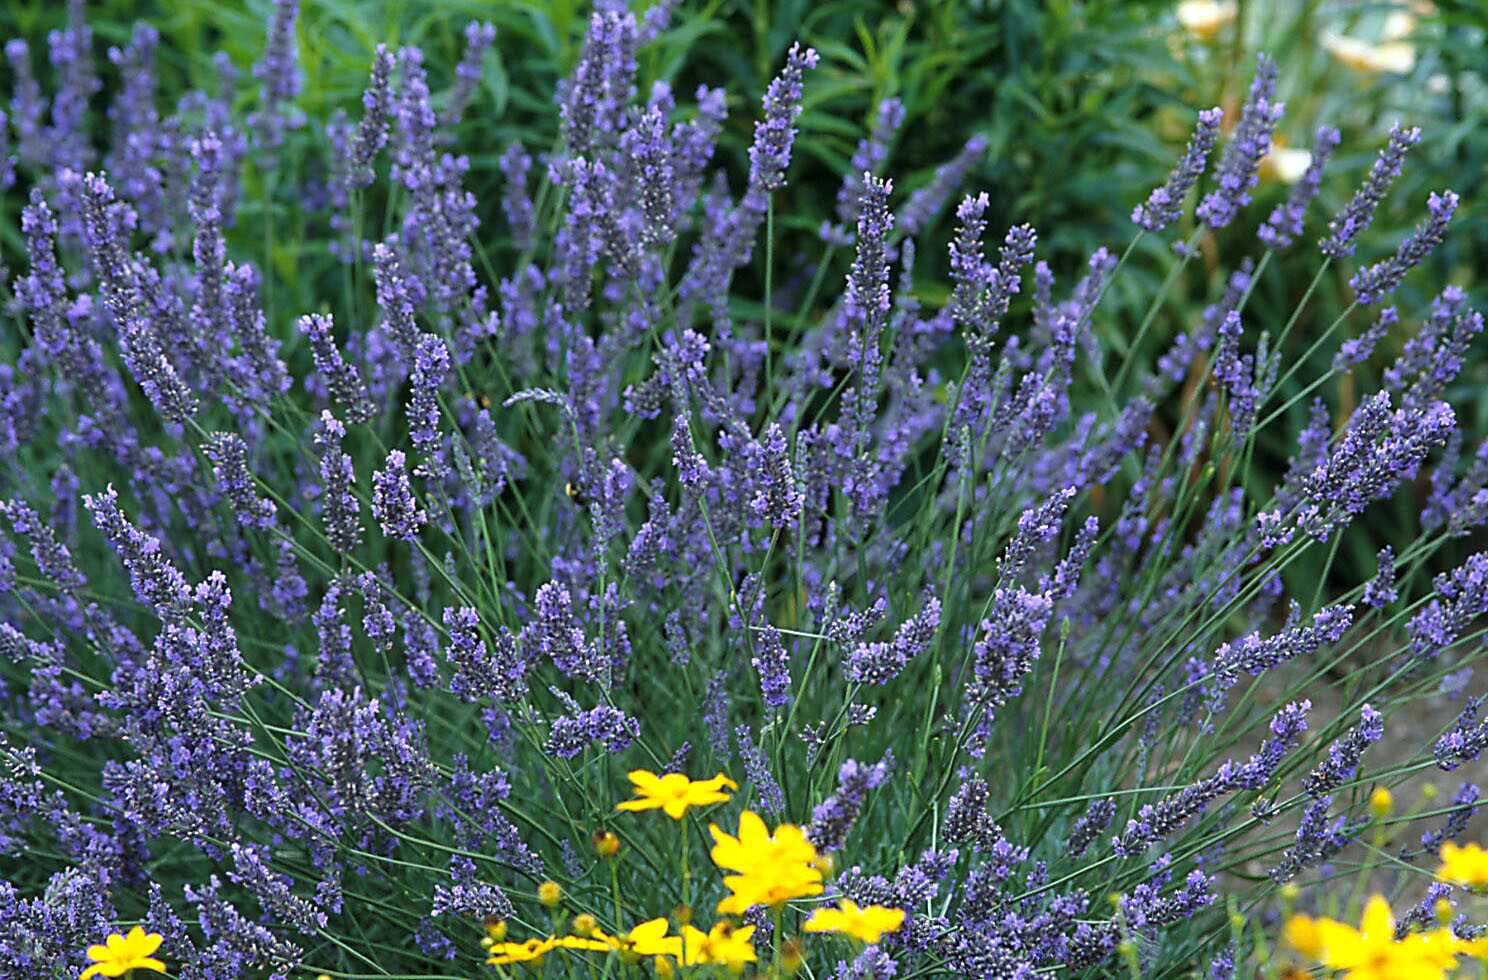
(331,634)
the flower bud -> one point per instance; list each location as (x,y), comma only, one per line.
(1381,802)
(550,893)
(606,844)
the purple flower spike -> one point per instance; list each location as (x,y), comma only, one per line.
(1165,204)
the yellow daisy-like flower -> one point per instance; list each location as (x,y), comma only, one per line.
(675,793)
(650,939)
(1371,951)
(525,952)
(119,954)
(1464,865)
(723,944)
(774,868)
(647,939)
(868,924)
(595,944)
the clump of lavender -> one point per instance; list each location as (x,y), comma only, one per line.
(639,513)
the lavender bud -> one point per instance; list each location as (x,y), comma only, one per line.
(772,663)
(1342,763)
(833,818)
(372,132)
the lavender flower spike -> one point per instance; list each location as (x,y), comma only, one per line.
(393,503)
(1237,171)
(479,36)
(1342,763)
(926,202)
(775,135)
(1355,218)
(282,79)
(1165,204)
(1285,223)
(372,132)
(833,819)
(229,456)
(346,387)
(1375,282)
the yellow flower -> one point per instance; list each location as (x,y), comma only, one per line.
(868,924)
(774,868)
(647,939)
(532,949)
(675,793)
(120,954)
(550,893)
(1371,951)
(723,944)
(1464,865)
(594,944)
(1204,19)
(1381,802)
(650,939)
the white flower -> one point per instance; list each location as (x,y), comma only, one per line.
(1392,57)
(1286,163)
(1204,19)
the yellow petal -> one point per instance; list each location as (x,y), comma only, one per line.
(1377,919)
(646,804)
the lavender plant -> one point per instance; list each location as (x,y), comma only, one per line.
(331,635)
